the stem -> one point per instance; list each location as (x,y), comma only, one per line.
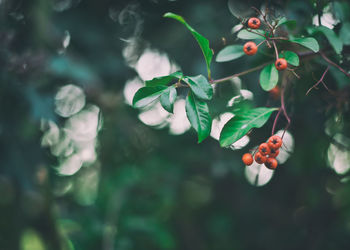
(319,81)
(209,74)
(284,111)
(319,13)
(334,64)
(276,51)
(278,38)
(261,43)
(275,121)
(293,71)
(257,33)
(264,17)
(239,74)
(257,11)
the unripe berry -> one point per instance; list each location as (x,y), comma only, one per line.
(271,163)
(281,64)
(247,159)
(250,48)
(259,158)
(254,23)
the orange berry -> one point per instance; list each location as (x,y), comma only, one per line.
(274,142)
(274,153)
(247,159)
(271,163)
(281,64)
(275,93)
(250,48)
(264,149)
(259,158)
(254,23)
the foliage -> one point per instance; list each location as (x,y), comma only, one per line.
(81,168)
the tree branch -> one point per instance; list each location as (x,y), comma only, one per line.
(275,121)
(319,81)
(334,64)
(239,74)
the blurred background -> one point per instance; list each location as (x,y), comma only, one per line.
(81,169)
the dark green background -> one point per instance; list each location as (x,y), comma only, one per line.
(156,190)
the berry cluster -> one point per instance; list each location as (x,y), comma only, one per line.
(267,153)
(250,48)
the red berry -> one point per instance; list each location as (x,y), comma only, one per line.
(259,158)
(264,149)
(281,64)
(271,163)
(250,48)
(275,93)
(275,142)
(247,159)
(254,23)
(274,153)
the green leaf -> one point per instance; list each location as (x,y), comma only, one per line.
(268,77)
(200,86)
(146,95)
(164,80)
(291,24)
(246,35)
(291,57)
(202,41)
(198,114)
(240,124)
(332,38)
(230,53)
(167,99)
(307,42)
(344,33)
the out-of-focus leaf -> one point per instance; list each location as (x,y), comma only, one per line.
(230,53)
(164,80)
(307,42)
(268,77)
(332,38)
(200,86)
(146,95)
(198,114)
(341,10)
(241,123)
(291,24)
(202,41)
(167,99)
(31,240)
(344,33)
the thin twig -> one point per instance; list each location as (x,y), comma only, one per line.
(319,81)
(276,51)
(264,17)
(239,74)
(257,11)
(283,107)
(334,64)
(261,43)
(278,38)
(325,86)
(294,73)
(257,33)
(275,121)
